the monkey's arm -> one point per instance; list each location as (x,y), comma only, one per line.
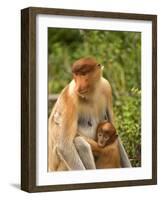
(75,153)
(85,152)
(125,162)
(62,131)
(66,147)
(94,146)
(108,95)
(70,157)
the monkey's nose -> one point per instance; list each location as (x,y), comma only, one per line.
(81,90)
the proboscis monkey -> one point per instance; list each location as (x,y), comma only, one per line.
(82,104)
(105,147)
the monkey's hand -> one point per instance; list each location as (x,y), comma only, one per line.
(94,146)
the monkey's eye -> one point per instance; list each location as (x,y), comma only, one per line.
(99,134)
(84,73)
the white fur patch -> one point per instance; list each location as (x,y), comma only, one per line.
(57,118)
(71,87)
(87,124)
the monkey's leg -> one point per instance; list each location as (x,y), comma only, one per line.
(125,162)
(85,152)
(63,165)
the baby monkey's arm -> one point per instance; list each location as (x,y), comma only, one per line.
(94,146)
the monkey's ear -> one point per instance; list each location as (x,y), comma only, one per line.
(114,137)
(102,67)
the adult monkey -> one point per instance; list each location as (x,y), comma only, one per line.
(82,104)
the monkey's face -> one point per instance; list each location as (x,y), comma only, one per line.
(82,83)
(102,139)
(86,74)
(106,134)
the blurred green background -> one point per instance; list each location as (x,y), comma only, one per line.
(120,53)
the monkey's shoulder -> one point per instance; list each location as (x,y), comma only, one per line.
(58,107)
(65,96)
(105,87)
(105,82)
(64,93)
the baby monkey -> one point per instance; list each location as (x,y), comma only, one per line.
(105,149)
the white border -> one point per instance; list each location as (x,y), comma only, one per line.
(90,176)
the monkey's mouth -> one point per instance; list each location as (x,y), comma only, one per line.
(82,97)
(101,145)
(83,94)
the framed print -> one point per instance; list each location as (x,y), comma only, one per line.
(88,99)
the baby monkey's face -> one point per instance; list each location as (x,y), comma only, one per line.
(106,134)
(102,139)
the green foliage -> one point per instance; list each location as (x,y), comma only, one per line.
(128,123)
(120,53)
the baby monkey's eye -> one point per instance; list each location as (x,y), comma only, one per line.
(99,134)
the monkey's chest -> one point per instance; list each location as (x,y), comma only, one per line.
(88,122)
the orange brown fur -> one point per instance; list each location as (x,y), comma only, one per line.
(107,129)
(88,95)
(106,151)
